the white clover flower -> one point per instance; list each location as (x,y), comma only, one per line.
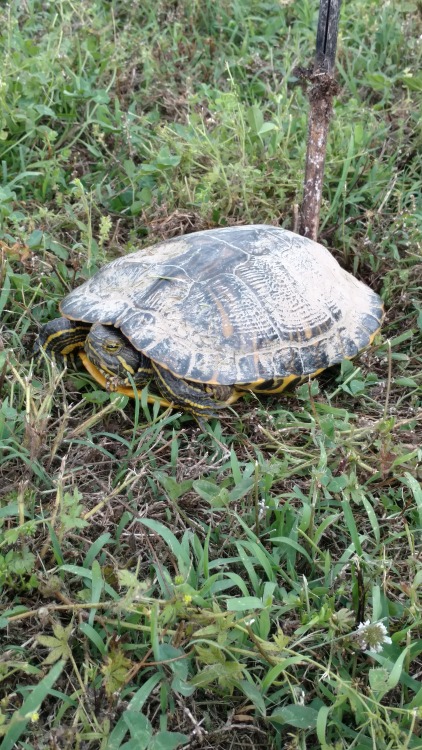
(262,507)
(372,636)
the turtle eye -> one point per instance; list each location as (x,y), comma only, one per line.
(111,346)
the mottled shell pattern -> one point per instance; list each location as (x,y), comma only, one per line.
(236,305)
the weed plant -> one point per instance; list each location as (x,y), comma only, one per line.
(256,583)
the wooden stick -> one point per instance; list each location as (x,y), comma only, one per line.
(321,94)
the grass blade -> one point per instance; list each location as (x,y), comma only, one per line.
(30,707)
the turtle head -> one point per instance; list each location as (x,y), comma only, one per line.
(113,354)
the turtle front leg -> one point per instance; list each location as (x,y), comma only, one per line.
(199,399)
(61,338)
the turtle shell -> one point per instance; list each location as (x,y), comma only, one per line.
(237,305)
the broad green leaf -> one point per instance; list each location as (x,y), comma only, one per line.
(174,489)
(351,524)
(412,81)
(93,636)
(83,573)
(255,118)
(301,717)
(4,292)
(397,669)
(212,493)
(140,728)
(171,541)
(378,680)
(244,603)
(274,673)
(321,724)
(182,687)
(96,589)
(372,517)
(416,489)
(254,695)
(95,548)
(168,741)
(287,542)
(141,696)
(176,657)
(267,127)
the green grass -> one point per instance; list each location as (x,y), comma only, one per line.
(163,586)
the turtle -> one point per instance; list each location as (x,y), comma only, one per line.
(211,315)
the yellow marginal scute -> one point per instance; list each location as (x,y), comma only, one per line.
(281,386)
(371,338)
(124,390)
(197,408)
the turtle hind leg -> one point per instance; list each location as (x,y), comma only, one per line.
(61,338)
(200,399)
